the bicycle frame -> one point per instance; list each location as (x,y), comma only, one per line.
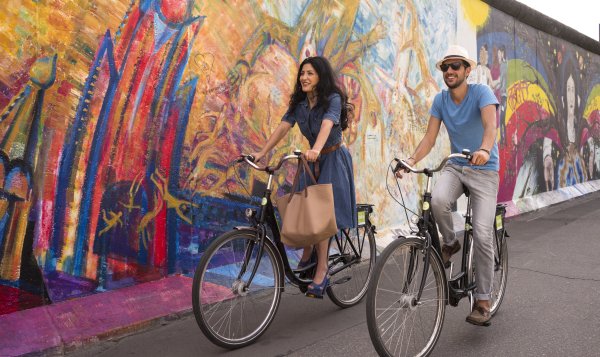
(265,217)
(458,286)
(427,228)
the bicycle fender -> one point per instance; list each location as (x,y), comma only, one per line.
(435,252)
(411,236)
(241,228)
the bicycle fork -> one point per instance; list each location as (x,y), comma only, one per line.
(261,234)
(409,301)
(240,286)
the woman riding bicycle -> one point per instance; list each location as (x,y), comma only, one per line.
(468,112)
(319,107)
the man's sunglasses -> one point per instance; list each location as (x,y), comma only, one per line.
(454,65)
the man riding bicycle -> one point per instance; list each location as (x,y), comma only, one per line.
(469,113)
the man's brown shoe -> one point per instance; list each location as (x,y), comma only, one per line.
(448,251)
(479,316)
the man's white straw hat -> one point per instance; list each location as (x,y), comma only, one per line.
(456,52)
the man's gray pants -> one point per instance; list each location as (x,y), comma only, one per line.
(483,188)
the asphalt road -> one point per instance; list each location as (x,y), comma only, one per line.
(550,308)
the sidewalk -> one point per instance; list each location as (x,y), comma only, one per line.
(63,326)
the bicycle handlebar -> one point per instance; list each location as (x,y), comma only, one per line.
(249,159)
(400,164)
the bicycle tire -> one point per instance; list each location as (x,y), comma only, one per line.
(470,267)
(500,272)
(219,299)
(394,318)
(350,285)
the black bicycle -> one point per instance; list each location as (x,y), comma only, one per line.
(409,290)
(239,280)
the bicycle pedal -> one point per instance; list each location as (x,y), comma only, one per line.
(453,300)
(341,280)
(310,295)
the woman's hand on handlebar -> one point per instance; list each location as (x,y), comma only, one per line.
(411,162)
(257,156)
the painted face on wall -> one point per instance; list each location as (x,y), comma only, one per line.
(570,96)
(571,109)
(483,56)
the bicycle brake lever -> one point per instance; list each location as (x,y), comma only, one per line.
(398,165)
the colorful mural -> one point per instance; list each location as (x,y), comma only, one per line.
(549,118)
(119,120)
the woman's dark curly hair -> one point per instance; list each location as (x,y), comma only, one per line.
(325,87)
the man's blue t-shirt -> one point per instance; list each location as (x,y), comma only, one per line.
(463,122)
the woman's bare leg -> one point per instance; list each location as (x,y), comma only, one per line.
(322,262)
(306,253)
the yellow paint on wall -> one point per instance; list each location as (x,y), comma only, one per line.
(593,102)
(522,92)
(476,12)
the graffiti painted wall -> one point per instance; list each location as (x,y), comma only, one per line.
(119,120)
(549,119)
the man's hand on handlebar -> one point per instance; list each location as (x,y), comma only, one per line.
(411,162)
(480,157)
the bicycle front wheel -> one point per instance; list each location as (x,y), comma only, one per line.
(400,323)
(352,258)
(228,310)
(500,271)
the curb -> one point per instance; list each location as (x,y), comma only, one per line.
(69,325)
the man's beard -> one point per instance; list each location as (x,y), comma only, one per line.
(456,84)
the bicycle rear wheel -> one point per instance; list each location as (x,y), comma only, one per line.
(399,324)
(500,271)
(228,312)
(352,258)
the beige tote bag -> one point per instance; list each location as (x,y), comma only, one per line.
(307,216)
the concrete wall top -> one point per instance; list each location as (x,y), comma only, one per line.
(536,19)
